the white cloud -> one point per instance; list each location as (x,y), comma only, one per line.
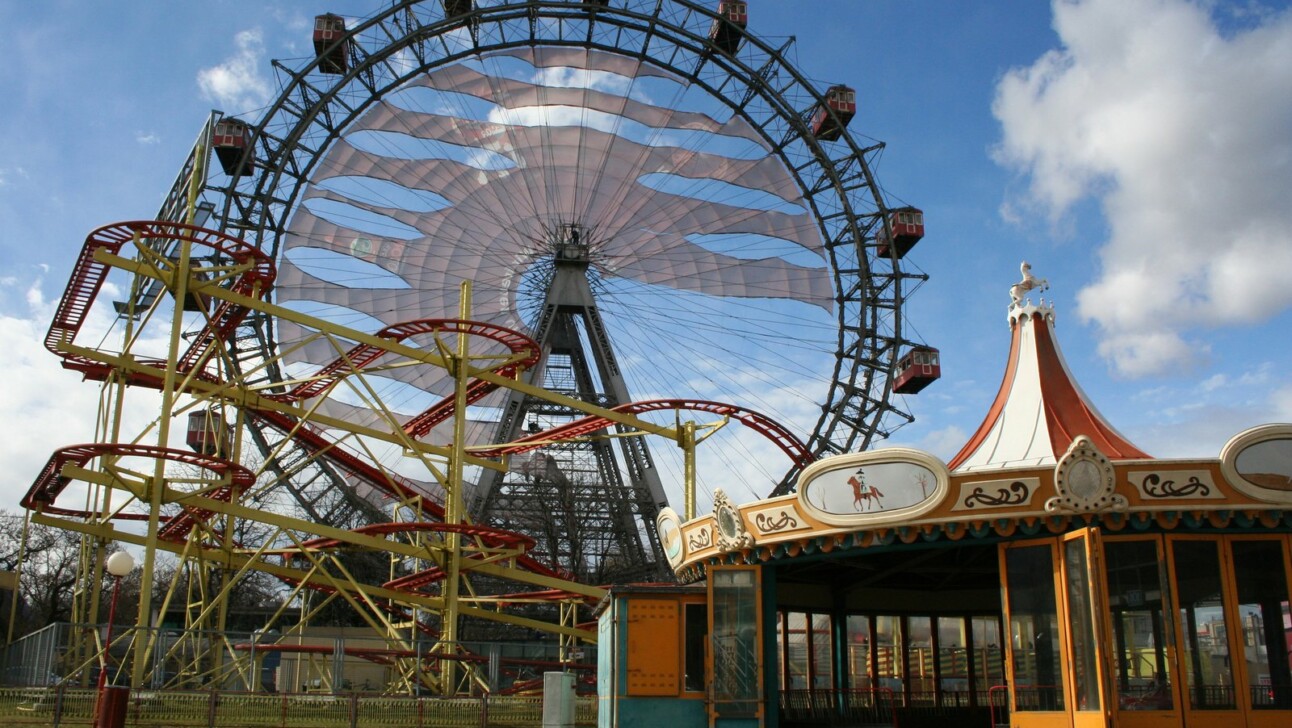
(45,406)
(1182,132)
(147,137)
(9,174)
(1281,404)
(237,84)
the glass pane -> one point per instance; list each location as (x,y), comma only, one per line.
(988,656)
(953,661)
(859,652)
(1264,616)
(1034,628)
(1141,666)
(796,652)
(1202,619)
(735,642)
(1084,670)
(822,654)
(888,649)
(919,660)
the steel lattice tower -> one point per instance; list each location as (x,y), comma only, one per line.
(588,514)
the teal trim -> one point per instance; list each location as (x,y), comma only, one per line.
(666,712)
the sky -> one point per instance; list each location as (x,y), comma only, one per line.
(1138,155)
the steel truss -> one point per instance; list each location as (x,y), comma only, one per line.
(756,83)
(207,509)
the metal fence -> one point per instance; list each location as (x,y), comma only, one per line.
(320,661)
(72,706)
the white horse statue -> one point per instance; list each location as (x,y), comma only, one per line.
(1029,283)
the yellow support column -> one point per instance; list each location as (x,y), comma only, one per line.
(688,470)
(157,485)
(453,502)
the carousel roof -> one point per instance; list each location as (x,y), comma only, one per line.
(1040,409)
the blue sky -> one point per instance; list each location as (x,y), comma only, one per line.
(1139,155)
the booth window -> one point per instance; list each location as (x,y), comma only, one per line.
(733,600)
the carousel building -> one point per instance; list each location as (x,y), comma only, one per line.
(1051,574)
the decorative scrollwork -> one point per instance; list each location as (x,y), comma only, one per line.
(701,539)
(1155,487)
(767,524)
(1016,493)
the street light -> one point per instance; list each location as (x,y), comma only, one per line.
(118,565)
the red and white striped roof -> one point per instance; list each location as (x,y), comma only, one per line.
(1040,409)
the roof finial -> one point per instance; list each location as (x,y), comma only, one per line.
(1028,283)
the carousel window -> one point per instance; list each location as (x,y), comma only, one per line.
(1203,620)
(822,655)
(1034,628)
(919,656)
(859,641)
(1081,622)
(953,661)
(988,656)
(1264,618)
(1141,664)
(888,655)
(794,673)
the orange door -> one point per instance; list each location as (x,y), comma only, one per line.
(1055,657)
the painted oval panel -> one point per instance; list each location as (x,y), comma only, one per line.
(872,486)
(669,526)
(1267,464)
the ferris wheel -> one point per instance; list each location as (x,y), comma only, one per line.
(654,194)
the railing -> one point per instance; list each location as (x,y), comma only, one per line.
(230,661)
(998,704)
(74,707)
(1038,697)
(839,707)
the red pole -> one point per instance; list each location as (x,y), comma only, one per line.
(107,646)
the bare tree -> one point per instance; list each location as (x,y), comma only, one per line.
(49,570)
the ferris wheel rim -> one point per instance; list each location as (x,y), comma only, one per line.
(869,334)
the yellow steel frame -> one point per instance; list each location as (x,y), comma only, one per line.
(214,563)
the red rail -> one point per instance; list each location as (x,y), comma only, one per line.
(88,275)
(51,482)
(763,425)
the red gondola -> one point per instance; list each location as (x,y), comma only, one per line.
(232,141)
(728,31)
(907,224)
(454,8)
(207,433)
(842,100)
(333,57)
(916,370)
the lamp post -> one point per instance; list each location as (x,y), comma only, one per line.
(118,565)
